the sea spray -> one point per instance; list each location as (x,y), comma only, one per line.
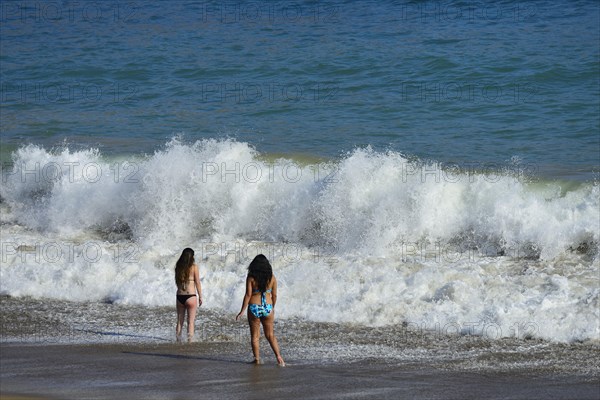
(372,238)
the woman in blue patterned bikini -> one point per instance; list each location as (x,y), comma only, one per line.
(260,298)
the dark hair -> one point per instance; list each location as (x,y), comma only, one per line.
(183,267)
(260,269)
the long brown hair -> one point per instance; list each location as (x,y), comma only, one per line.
(184,267)
(260,269)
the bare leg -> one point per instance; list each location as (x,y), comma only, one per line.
(191,305)
(254,336)
(268,327)
(180,319)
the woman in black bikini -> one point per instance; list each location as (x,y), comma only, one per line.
(187,279)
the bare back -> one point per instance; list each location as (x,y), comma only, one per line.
(192,282)
(255,297)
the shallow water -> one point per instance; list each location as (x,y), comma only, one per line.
(51,322)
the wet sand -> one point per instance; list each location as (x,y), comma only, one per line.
(219,371)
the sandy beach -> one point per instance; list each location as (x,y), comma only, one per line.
(215,371)
(118,354)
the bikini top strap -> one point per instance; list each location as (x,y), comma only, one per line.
(263,296)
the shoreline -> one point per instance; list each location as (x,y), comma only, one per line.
(223,371)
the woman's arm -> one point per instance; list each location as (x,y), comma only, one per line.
(274,291)
(247,296)
(198,284)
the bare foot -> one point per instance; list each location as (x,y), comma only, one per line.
(257,361)
(280,361)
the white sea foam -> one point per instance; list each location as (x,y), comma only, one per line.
(371,239)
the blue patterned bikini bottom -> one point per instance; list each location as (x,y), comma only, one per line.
(259,310)
(263,309)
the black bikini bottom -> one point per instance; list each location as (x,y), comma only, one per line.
(182,298)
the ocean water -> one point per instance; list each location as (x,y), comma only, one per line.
(431,166)
(467,82)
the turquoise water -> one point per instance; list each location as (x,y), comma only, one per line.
(463,82)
